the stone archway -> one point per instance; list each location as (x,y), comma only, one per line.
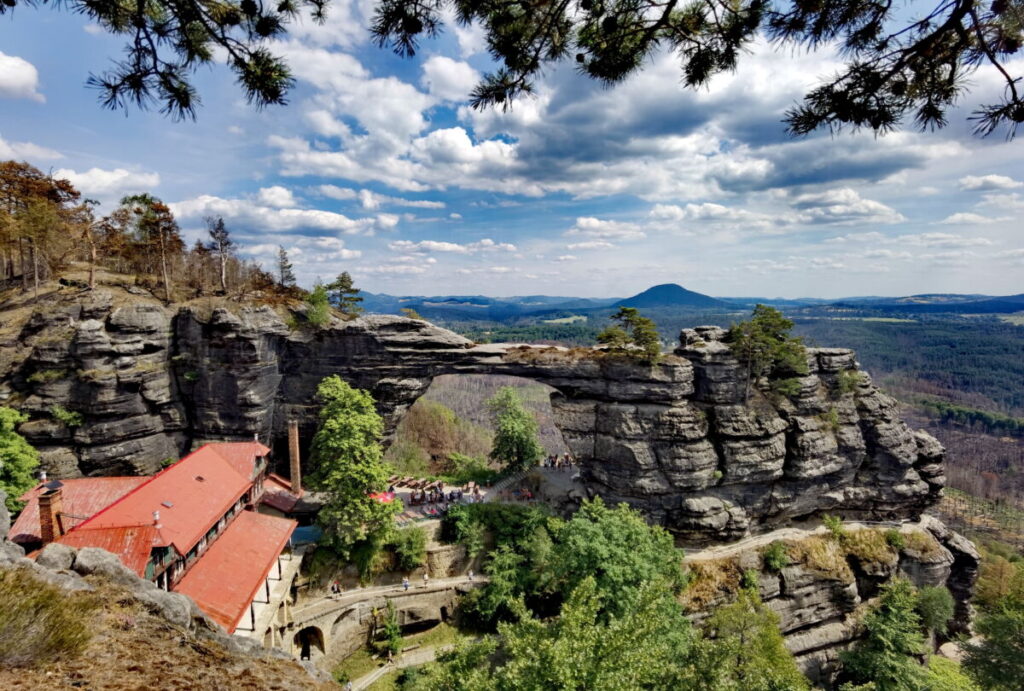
(309,644)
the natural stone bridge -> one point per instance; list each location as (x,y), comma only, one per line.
(673,439)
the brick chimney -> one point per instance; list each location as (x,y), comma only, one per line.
(49,512)
(293,456)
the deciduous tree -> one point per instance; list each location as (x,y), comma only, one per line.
(18,459)
(515,431)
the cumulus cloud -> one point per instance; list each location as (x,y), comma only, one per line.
(989,182)
(277,197)
(590,245)
(26,151)
(447,79)
(591,227)
(19,79)
(842,206)
(271,218)
(98,182)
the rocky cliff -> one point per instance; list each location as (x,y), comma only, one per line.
(675,439)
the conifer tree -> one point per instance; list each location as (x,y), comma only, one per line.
(222,245)
(285,273)
(633,334)
(344,295)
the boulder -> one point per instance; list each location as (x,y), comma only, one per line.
(56,556)
(93,560)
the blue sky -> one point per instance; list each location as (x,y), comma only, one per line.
(378,167)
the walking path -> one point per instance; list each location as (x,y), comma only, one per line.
(320,606)
(413,658)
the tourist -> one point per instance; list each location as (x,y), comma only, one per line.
(471,574)
(426,579)
(405,584)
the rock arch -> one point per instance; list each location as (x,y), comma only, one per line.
(309,644)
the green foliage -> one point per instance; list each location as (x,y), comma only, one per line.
(45,376)
(285,270)
(18,460)
(775,557)
(1000,581)
(748,650)
(391,630)
(406,457)
(344,295)
(462,469)
(751,580)
(318,308)
(972,418)
(68,418)
(633,335)
(886,656)
(168,462)
(834,525)
(618,549)
(996,661)
(410,548)
(412,314)
(191,376)
(515,439)
(935,606)
(894,538)
(830,418)
(765,346)
(41,624)
(848,381)
(946,675)
(788,387)
(346,453)
(436,431)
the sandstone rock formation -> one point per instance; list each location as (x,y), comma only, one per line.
(674,439)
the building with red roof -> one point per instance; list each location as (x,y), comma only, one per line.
(191,528)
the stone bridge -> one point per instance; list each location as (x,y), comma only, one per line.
(328,629)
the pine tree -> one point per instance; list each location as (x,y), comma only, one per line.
(285,273)
(222,245)
(344,295)
(156,233)
(634,335)
(765,346)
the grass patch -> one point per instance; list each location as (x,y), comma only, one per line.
(823,555)
(68,418)
(41,624)
(923,544)
(45,376)
(870,547)
(356,665)
(709,579)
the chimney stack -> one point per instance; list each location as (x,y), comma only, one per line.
(293,456)
(50,501)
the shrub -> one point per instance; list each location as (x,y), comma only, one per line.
(848,381)
(392,631)
(751,580)
(463,469)
(318,306)
(709,580)
(834,524)
(869,547)
(68,418)
(45,376)
(788,387)
(946,675)
(191,376)
(894,538)
(830,418)
(935,605)
(775,557)
(410,548)
(40,624)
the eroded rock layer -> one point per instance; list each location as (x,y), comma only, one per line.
(676,439)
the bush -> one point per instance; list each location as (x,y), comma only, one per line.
(68,418)
(751,580)
(392,631)
(318,306)
(830,418)
(834,524)
(40,624)
(788,387)
(775,557)
(894,538)
(410,548)
(848,381)
(935,605)
(463,469)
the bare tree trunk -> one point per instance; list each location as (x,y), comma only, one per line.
(35,267)
(223,271)
(92,258)
(22,264)
(163,264)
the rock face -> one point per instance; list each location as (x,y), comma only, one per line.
(676,439)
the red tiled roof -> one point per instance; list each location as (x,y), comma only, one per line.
(190,495)
(81,498)
(132,544)
(277,493)
(240,454)
(231,572)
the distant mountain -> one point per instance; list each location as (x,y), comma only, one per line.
(672,295)
(943,304)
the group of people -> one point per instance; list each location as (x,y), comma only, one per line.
(439,496)
(563,462)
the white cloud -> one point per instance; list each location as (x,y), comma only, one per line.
(590,245)
(277,197)
(989,182)
(392,269)
(486,270)
(887,254)
(454,216)
(98,182)
(26,150)
(591,227)
(447,79)
(843,206)
(270,218)
(970,219)
(485,245)
(566,258)
(19,79)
